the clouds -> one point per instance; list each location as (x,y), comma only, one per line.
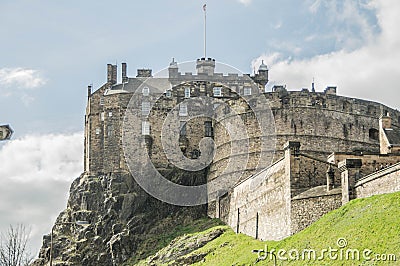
(370,71)
(245,2)
(36,172)
(349,21)
(44,157)
(21,78)
(19,81)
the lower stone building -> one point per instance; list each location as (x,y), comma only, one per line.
(298,189)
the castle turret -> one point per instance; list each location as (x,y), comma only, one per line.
(205,66)
(262,76)
(173,69)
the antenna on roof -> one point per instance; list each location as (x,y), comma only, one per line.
(205,30)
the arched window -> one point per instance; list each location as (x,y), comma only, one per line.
(373,134)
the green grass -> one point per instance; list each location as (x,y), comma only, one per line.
(372,223)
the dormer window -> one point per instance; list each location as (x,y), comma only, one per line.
(217,91)
(168,93)
(187,92)
(146,91)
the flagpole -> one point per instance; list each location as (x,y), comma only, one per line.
(205,30)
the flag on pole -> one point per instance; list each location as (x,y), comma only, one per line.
(204,7)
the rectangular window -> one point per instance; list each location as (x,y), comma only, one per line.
(146,91)
(101,101)
(187,92)
(102,116)
(217,91)
(182,128)
(145,108)
(247,91)
(183,111)
(110,114)
(209,131)
(97,131)
(145,128)
(110,130)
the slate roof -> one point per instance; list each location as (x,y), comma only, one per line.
(157,85)
(393,136)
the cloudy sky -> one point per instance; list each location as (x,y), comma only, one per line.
(51,51)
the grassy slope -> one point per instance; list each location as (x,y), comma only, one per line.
(372,223)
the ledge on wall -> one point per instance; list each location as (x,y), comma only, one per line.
(319,191)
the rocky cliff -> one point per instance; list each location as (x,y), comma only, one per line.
(120,219)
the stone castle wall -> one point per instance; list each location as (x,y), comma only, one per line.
(323,123)
(386,180)
(103,132)
(275,207)
(307,210)
(260,205)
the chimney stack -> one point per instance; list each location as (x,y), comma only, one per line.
(89,91)
(144,73)
(124,74)
(111,74)
(385,121)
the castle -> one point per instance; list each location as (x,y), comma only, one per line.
(304,153)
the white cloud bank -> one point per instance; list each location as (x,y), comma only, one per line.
(36,173)
(45,157)
(21,78)
(369,72)
(245,2)
(20,81)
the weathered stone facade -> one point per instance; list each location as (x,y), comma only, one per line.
(279,159)
(322,122)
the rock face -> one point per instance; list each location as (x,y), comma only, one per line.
(121,216)
(176,253)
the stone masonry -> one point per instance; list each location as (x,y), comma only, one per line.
(280,159)
(321,122)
